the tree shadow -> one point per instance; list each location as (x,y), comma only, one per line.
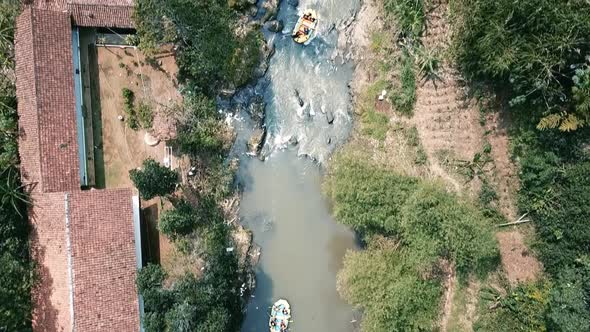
(258,308)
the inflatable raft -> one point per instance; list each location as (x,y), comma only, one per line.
(280,315)
(305,29)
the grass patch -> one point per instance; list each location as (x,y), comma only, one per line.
(412,137)
(404,98)
(421,156)
(380,41)
(459,308)
(375,125)
(522,309)
(369,95)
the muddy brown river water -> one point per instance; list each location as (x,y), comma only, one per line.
(302,246)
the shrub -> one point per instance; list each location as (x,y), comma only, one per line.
(523,309)
(433,218)
(129,108)
(384,282)
(568,308)
(202,129)
(177,222)
(145,115)
(154,179)
(245,58)
(409,16)
(367,198)
(557,197)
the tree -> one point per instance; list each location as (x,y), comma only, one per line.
(201,128)
(528,50)
(178,222)
(154,179)
(210,55)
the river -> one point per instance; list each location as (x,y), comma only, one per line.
(282,203)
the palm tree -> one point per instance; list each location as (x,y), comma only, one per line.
(12,191)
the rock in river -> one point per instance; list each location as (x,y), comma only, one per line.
(299,99)
(330,117)
(256,141)
(274,25)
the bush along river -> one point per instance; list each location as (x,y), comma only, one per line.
(287,126)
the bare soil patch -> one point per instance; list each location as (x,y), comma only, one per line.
(518,262)
(124,149)
(119,149)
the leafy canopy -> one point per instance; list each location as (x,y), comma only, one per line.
(531,47)
(385,283)
(154,179)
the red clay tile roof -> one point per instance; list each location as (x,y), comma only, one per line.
(104,261)
(101,16)
(87,269)
(93,13)
(82,241)
(51,304)
(47,109)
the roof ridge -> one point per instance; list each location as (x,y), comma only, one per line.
(36,92)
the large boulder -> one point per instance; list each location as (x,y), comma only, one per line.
(256,141)
(274,25)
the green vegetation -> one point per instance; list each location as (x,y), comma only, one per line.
(201,131)
(409,16)
(145,115)
(154,179)
(532,51)
(208,303)
(210,54)
(138,117)
(411,227)
(555,184)
(384,281)
(17,276)
(129,108)
(522,309)
(180,221)
(375,124)
(535,55)
(436,222)
(404,98)
(213,53)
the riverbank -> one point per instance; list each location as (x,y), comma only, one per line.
(446,137)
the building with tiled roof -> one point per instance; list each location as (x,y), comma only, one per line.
(86,243)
